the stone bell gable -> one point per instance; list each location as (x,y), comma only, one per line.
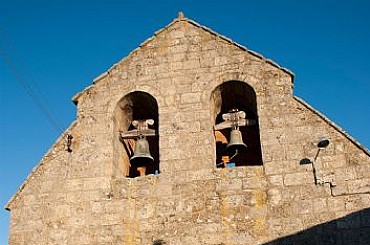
(187,79)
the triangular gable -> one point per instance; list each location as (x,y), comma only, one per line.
(182,18)
(75,99)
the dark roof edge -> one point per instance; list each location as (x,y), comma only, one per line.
(331,123)
(77,96)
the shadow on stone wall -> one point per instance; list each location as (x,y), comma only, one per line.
(353,229)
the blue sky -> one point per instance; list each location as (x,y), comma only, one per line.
(59,47)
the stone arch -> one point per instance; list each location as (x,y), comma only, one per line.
(255,83)
(136,105)
(239,95)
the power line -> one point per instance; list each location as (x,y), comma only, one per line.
(34,94)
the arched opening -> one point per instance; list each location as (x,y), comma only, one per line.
(135,106)
(225,98)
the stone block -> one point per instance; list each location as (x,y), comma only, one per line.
(97,208)
(363,171)
(191,64)
(333,162)
(359,186)
(320,205)
(344,174)
(61,211)
(187,98)
(275,180)
(298,179)
(177,34)
(302,207)
(96,183)
(291,193)
(340,189)
(274,196)
(254,183)
(181,48)
(274,167)
(336,204)
(163,190)
(225,185)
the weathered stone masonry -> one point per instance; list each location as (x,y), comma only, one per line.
(84,197)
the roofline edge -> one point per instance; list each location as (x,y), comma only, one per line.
(34,169)
(331,123)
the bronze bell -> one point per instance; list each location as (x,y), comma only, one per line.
(236,141)
(141,153)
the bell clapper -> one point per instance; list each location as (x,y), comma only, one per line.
(235,154)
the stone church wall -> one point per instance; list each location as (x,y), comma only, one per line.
(84,197)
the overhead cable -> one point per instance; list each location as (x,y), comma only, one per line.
(33,93)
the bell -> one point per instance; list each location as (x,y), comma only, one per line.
(141,153)
(236,142)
